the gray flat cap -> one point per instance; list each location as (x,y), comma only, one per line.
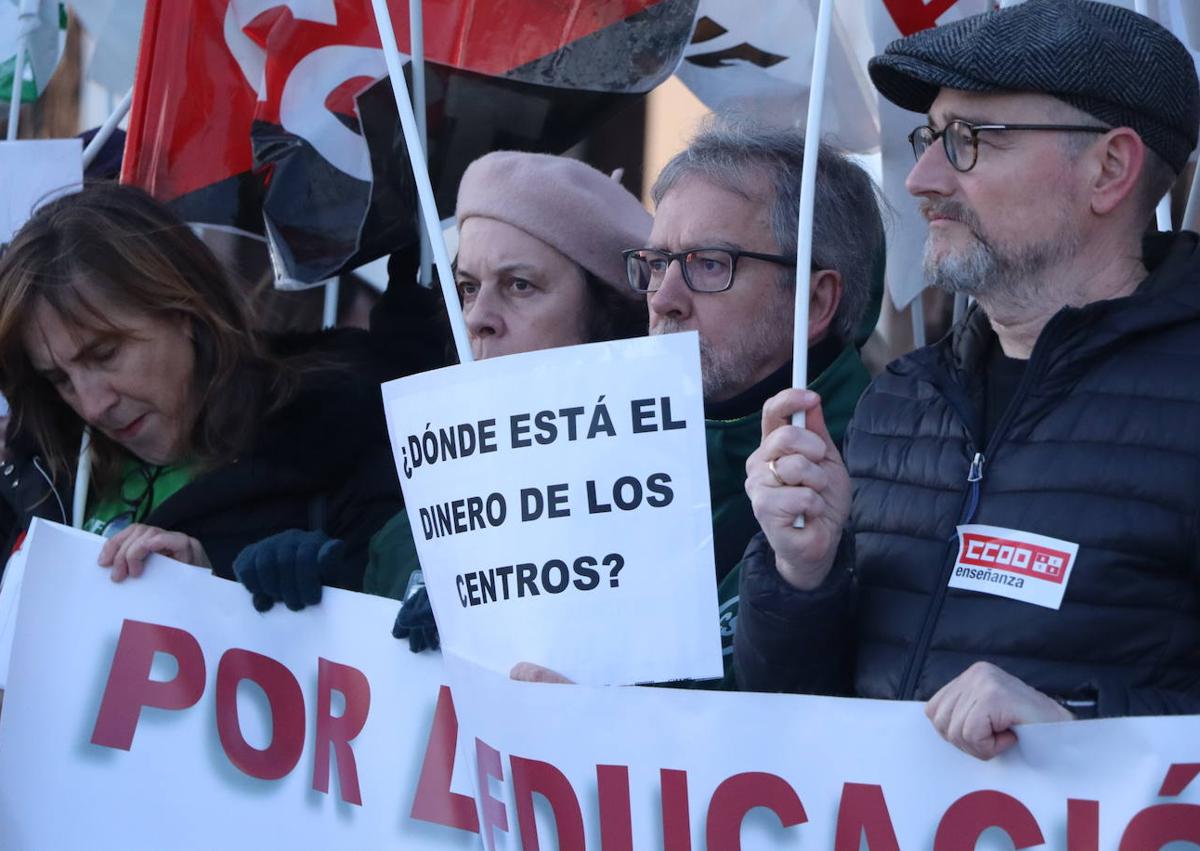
(1117,65)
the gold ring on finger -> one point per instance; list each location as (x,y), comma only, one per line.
(775,473)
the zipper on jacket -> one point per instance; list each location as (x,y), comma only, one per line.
(970,504)
(971,497)
(974,477)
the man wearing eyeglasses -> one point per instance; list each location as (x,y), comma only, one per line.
(720,260)
(1015,534)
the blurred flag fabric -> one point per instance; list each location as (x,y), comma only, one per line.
(275,116)
(45,22)
(754,57)
(113,27)
(906,238)
(894,18)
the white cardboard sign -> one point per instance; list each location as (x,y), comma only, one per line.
(33,172)
(560,504)
(10,594)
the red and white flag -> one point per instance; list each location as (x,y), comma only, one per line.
(271,114)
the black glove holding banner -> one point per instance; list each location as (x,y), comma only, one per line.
(415,622)
(290,566)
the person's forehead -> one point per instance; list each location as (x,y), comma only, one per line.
(52,338)
(698,212)
(490,245)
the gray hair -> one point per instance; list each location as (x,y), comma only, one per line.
(847,225)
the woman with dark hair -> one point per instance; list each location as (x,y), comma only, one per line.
(539,265)
(204,436)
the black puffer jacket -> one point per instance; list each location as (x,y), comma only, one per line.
(322,461)
(1100,446)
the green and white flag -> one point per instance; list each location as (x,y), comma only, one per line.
(45,22)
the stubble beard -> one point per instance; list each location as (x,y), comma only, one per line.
(993,272)
(729,370)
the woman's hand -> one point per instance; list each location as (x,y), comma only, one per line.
(126,552)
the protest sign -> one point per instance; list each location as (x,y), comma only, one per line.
(560,505)
(165,712)
(32,173)
(587,767)
(10,594)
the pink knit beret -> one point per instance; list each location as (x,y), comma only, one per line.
(567,204)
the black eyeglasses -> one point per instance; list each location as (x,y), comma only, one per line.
(961,138)
(705,270)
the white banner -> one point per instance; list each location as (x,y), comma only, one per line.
(560,504)
(164,712)
(587,767)
(32,173)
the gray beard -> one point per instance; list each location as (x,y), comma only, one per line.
(992,272)
(725,373)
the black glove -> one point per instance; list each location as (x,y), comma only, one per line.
(290,566)
(415,622)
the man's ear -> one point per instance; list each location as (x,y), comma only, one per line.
(825,294)
(1120,158)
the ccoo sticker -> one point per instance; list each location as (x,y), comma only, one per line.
(1014,564)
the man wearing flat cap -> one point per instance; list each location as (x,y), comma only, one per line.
(1015,533)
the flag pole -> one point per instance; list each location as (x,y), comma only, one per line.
(416,49)
(1193,202)
(416,157)
(83,480)
(330,304)
(107,129)
(808,187)
(1162,212)
(14,94)
(28,20)
(808,181)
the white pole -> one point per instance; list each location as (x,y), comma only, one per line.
(14,96)
(28,20)
(808,186)
(1163,211)
(917,308)
(960,306)
(808,189)
(1163,214)
(83,480)
(1193,203)
(329,312)
(107,129)
(416,49)
(416,156)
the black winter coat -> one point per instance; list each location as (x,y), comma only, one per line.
(322,461)
(1100,446)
